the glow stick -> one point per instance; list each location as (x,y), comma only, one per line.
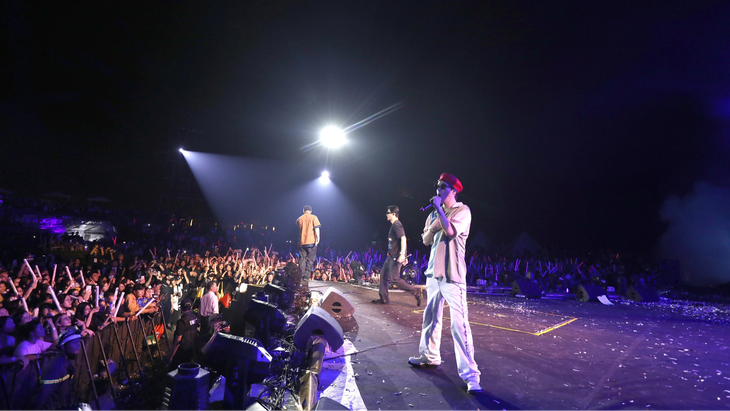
(29,268)
(55,300)
(12,284)
(15,290)
(116,309)
(83,282)
(145,307)
(38,270)
(53,280)
(97,297)
(69,275)
(25,304)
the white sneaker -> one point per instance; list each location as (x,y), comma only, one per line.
(472,386)
(420,362)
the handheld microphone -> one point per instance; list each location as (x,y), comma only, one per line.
(429,205)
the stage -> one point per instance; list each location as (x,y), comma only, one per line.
(533,354)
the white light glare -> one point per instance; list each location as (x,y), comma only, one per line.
(332,137)
(180,150)
(324,178)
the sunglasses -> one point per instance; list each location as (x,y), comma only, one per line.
(442,186)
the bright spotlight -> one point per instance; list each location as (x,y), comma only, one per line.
(332,137)
(180,149)
(324,178)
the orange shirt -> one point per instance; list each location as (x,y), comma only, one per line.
(307,223)
(130,304)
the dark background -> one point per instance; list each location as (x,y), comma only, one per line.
(573,121)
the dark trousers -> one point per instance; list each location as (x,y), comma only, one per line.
(307,255)
(390,273)
(172,319)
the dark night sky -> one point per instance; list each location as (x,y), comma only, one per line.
(573,121)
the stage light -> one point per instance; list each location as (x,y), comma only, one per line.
(180,149)
(324,178)
(332,137)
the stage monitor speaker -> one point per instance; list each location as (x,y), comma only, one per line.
(335,303)
(281,296)
(329,404)
(318,321)
(589,292)
(222,349)
(530,289)
(258,311)
(642,294)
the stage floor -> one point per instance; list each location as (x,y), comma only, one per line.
(536,354)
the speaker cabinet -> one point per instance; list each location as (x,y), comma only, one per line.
(589,292)
(186,388)
(224,349)
(530,289)
(642,294)
(335,303)
(281,296)
(259,311)
(318,321)
(329,404)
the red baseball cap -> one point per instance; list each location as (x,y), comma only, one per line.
(452,181)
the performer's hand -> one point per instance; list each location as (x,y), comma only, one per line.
(401,259)
(436,201)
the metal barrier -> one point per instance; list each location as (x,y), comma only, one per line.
(132,347)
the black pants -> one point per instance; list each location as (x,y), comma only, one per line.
(390,273)
(183,355)
(307,255)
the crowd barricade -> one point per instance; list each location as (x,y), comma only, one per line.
(113,356)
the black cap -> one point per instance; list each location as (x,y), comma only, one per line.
(186,304)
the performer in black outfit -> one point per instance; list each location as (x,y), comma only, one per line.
(397,246)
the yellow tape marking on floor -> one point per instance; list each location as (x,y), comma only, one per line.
(541,332)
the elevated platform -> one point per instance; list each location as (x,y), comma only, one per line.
(535,354)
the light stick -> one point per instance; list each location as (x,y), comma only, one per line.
(69,275)
(29,268)
(145,307)
(53,280)
(83,282)
(55,300)
(116,309)
(38,270)
(12,284)
(97,297)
